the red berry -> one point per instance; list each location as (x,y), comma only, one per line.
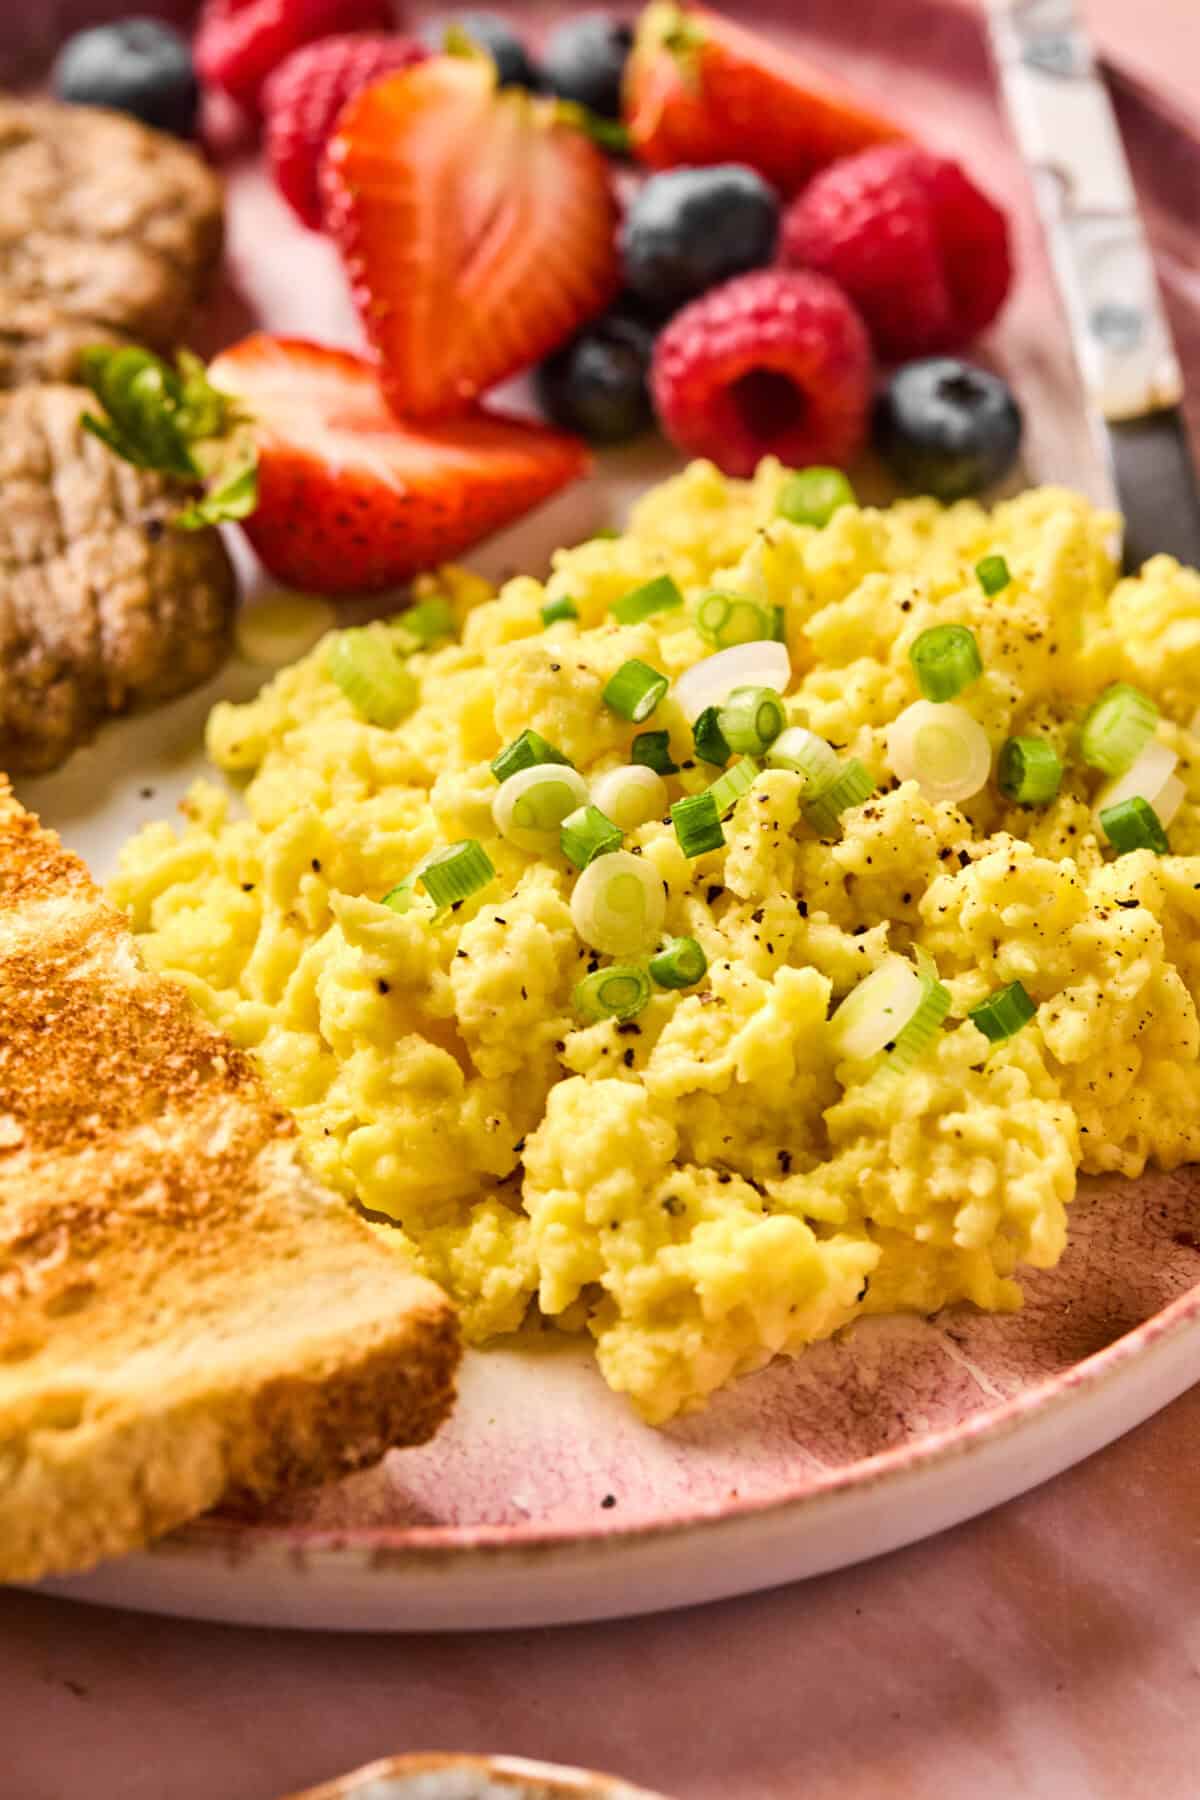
(919,249)
(302,101)
(239,42)
(701,89)
(776,363)
(477,226)
(352,499)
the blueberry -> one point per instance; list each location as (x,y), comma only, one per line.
(596,384)
(496,36)
(137,66)
(689,229)
(585,59)
(947,428)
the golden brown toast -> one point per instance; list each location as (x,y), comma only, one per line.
(186,1315)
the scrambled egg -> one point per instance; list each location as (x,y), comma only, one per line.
(707,1186)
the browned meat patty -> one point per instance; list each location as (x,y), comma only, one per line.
(104,604)
(108,231)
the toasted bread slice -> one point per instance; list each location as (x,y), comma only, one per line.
(186,1315)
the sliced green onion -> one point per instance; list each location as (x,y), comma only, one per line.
(805,754)
(618,904)
(1153,777)
(562,608)
(897,1009)
(874,1013)
(365,665)
(430,620)
(660,595)
(1134,825)
(751,718)
(1169,799)
(915,1037)
(1117,728)
(635,690)
(779,625)
(630,796)
(992,573)
(459,864)
(697,824)
(652,749)
(620,992)
(587,834)
(727,619)
(1003,1013)
(812,496)
(763,663)
(1028,771)
(945,660)
(709,739)
(941,747)
(400,898)
(456,872)
(523,753)
(853,785)
(530,806)
(680,963)
(728,788)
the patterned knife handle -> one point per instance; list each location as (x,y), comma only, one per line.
(1067,133)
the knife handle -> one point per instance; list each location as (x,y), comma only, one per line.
(1067,133)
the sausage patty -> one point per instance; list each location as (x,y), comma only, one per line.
(104,603)
(108,232)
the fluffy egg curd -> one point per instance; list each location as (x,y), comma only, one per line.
(757,925)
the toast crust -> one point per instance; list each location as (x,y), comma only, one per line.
(186,1315)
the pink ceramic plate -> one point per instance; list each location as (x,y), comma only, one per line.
(544,1500)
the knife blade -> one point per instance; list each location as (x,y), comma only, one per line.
(1067,133)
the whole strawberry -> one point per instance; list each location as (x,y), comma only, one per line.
(777,362)
(920,250)
(239,43)
(303,98)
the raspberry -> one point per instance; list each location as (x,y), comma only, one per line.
(919,249)
(777,362)
(239,42)
(302,101)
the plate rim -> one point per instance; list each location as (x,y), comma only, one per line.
(395,1549)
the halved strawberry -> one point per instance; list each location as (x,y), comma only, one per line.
(477,228)
(700,89)
(350,499)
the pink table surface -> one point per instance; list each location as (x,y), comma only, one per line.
(1049,1649)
